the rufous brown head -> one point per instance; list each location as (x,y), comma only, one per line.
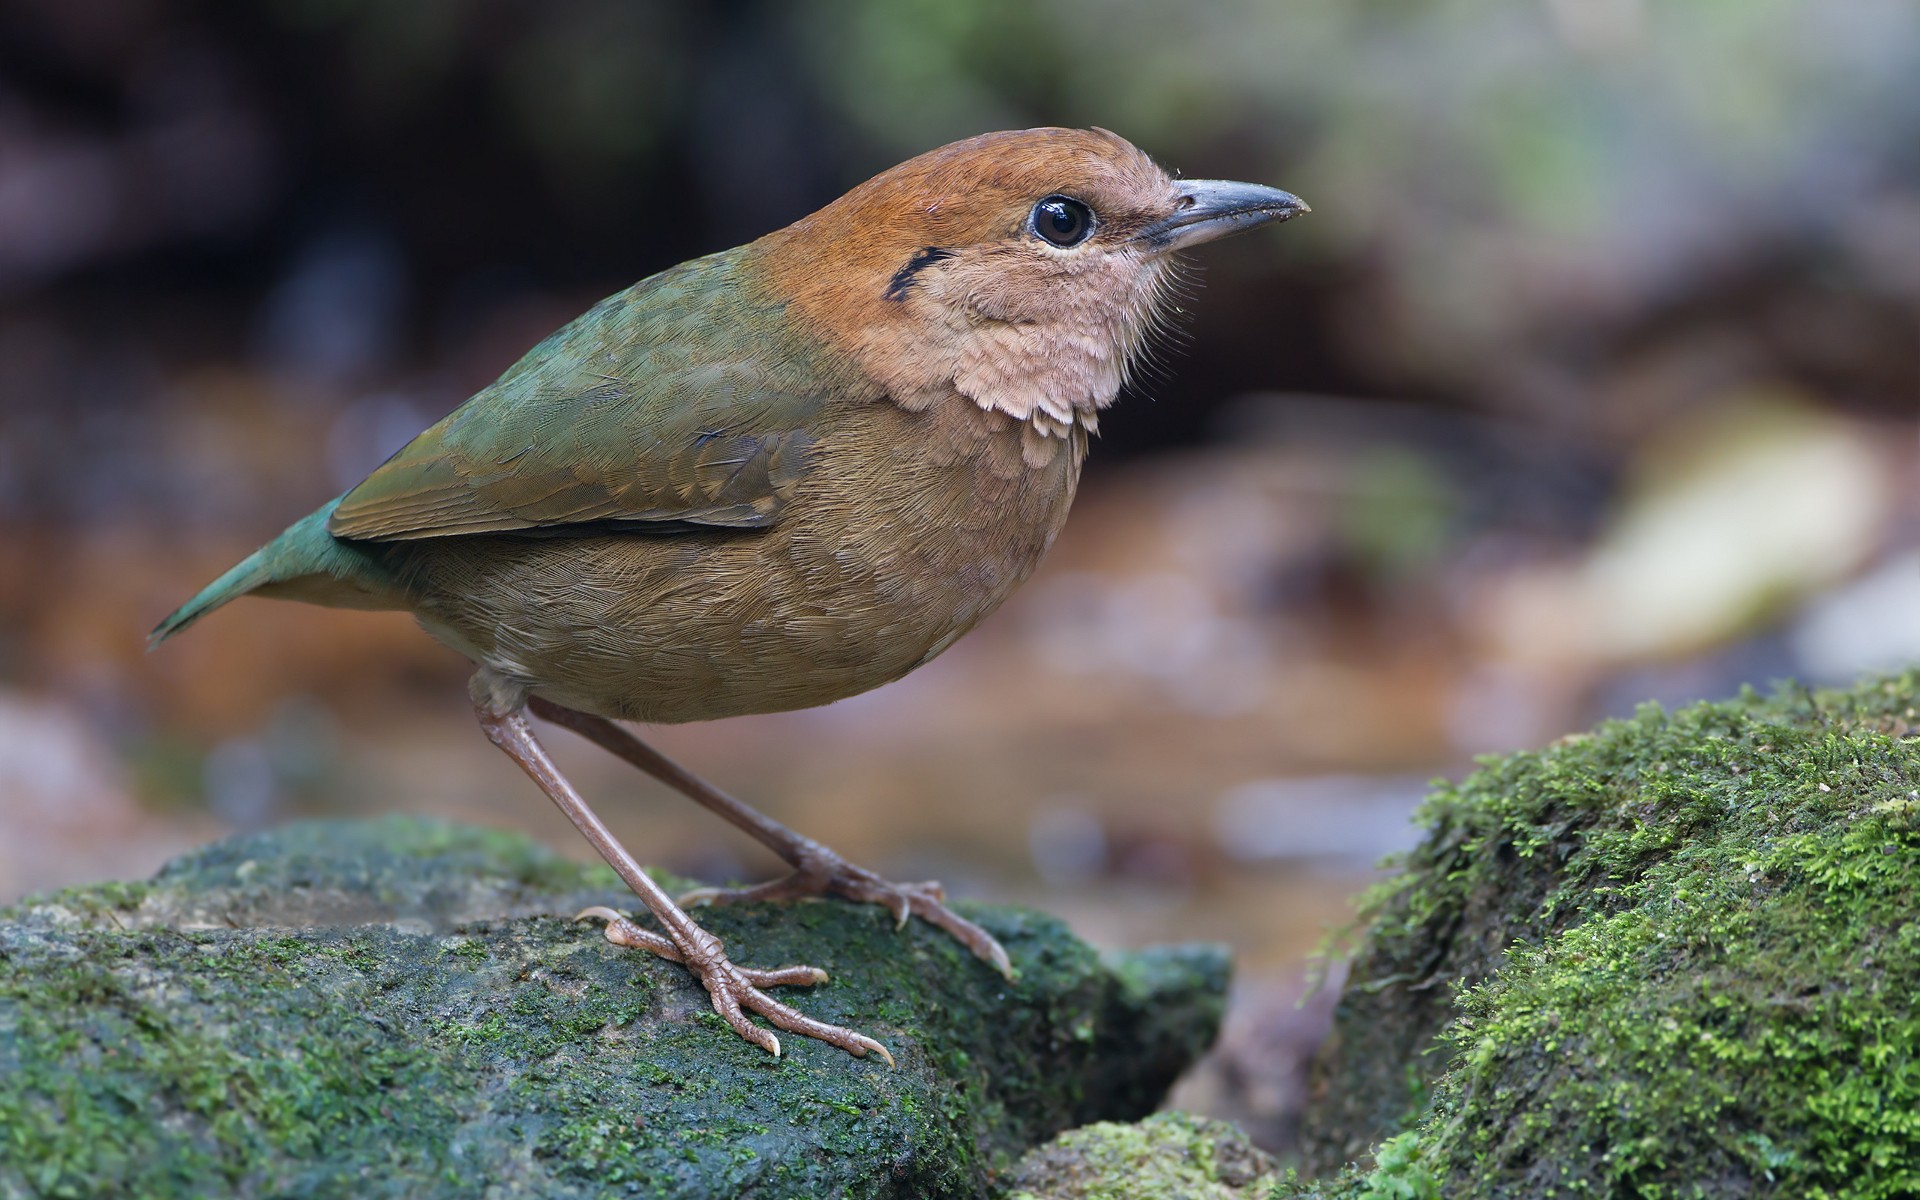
(1020,269)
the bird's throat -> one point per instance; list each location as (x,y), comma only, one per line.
(1048,349)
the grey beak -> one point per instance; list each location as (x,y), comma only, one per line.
(1214,208)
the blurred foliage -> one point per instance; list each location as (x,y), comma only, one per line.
(1506,193)
(1482,157)
(247,249)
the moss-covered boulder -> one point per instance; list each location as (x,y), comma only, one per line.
(1678,957)
(392,1008)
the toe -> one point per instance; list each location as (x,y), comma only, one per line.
(623,932)
(984,945)
(783,976)
(794,1021)
(727,993)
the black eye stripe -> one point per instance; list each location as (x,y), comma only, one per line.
(903,278)
(1062,221)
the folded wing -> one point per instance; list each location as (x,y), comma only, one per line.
(654,407)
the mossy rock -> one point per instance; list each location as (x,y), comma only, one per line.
(382,1009)
(1677,957)
(1168,1156)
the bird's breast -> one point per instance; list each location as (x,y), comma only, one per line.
(908,529)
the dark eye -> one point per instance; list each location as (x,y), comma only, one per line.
(1062,220)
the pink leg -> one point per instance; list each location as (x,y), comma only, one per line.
(817,870)
(734,990)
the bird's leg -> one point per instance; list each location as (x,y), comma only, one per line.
(817,870)
(732,988)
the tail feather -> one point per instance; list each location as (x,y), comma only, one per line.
(303,563)
(250,573)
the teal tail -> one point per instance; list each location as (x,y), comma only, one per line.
(304,563)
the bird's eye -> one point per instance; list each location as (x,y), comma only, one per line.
(1062,220)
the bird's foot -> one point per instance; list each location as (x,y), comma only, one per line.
(735,990)
(821,872)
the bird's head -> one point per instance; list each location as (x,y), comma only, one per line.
(1022,270)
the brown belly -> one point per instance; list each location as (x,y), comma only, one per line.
(899,543)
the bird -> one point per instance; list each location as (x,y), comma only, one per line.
(768,479)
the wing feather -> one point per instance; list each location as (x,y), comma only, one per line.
(655,406)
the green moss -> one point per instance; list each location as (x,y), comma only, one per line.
(127,1064)
(416,1051)
(1168,1155)
(1674,958)
(398,857)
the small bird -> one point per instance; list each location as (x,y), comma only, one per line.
(771,478)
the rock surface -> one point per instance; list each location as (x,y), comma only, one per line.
(1168,1156)
(399,1008)
(1676,957)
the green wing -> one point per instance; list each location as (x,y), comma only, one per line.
(670,402)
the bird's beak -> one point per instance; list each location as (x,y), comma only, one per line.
(1214,208)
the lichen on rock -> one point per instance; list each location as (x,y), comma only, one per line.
(377,1009)
(1676,957)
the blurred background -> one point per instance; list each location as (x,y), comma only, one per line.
(1593,378)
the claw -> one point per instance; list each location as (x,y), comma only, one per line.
(833,876)
(1003,964)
